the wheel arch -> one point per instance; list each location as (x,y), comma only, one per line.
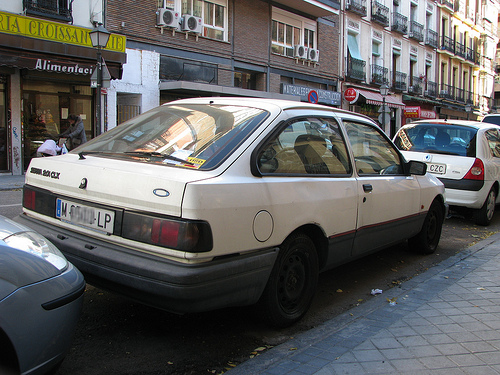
(8,356)
(318,237)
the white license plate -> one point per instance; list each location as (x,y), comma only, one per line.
(91,217)
(436,168)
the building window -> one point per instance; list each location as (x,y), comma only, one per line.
(245,80)
(289,30)
(56,9)
(212,12)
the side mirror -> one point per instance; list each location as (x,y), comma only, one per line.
(417,168)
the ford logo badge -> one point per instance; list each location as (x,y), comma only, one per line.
(161,193)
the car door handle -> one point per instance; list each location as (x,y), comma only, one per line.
(367,188)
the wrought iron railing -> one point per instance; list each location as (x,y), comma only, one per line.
(379,74)
(57,9)
(432,38)
(415,87)
(357,6)
(399,23)
(460,49)
(399,81)
(380,13)
(431,89)
(356,69)
(447,44)
(446,92)
(416,31)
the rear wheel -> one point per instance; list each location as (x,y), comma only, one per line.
(292,284)
(484,215)
(427,240)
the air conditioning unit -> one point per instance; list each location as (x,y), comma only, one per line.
(192,24)
(300,51)
(313,54)
(167,18)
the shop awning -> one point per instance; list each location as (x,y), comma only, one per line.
(375,98)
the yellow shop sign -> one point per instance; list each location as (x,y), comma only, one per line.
(53,31)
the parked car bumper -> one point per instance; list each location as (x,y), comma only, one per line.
(170,285)
(51,309)
(458,195)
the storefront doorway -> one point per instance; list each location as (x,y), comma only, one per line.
(46,106)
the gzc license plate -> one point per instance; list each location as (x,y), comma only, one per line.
(91,217)
(436,168)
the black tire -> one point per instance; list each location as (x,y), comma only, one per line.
(292,284)
(426,242)
(484,215)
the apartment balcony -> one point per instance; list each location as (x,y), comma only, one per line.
(432,38)
(399,23)
(447,44)
(59,10)
(431,89)
(460,95)
(399,81)
(357,6)
(416,31)
(379,75)
(460,50)
(469,97)
(416,86)
(471,55)
(356,69)
(447,3)
(446,92)
(380,13)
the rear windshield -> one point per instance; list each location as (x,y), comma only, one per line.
(438,138)
(492,119)
(190,135)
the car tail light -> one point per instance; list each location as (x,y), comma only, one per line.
(186,235)
(29,199)
(476,172)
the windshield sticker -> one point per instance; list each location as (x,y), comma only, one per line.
(197,163)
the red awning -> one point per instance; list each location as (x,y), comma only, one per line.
(375,98)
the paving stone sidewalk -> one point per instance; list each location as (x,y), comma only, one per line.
(444,321)
(9,182)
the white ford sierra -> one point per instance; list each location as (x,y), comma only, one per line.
(205,203)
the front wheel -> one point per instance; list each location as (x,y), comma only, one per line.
(427,240)
(292,284)
(484,215)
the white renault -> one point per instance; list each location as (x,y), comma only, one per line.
(212,202)
(464,155)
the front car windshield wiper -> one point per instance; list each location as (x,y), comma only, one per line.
(158,155)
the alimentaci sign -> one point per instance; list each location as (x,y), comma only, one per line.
(324,96)
(59,67)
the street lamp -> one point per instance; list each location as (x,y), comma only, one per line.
(99,37)
(384,90)
(468,109)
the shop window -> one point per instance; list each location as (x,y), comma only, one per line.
(289,30)
(245,80)
(128,106)
(174,69)
(57,9)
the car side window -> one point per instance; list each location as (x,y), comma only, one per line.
(494,142)
(373,153)
(306,146)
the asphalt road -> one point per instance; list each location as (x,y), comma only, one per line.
(117,336)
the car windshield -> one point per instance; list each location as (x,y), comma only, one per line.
(183,135)
(438,139)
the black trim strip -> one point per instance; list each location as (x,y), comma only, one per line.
(64,300)
(471,185)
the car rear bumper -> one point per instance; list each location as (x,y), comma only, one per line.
(163,283)
(467,198)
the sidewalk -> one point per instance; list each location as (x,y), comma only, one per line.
(9,182)
(445,321)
